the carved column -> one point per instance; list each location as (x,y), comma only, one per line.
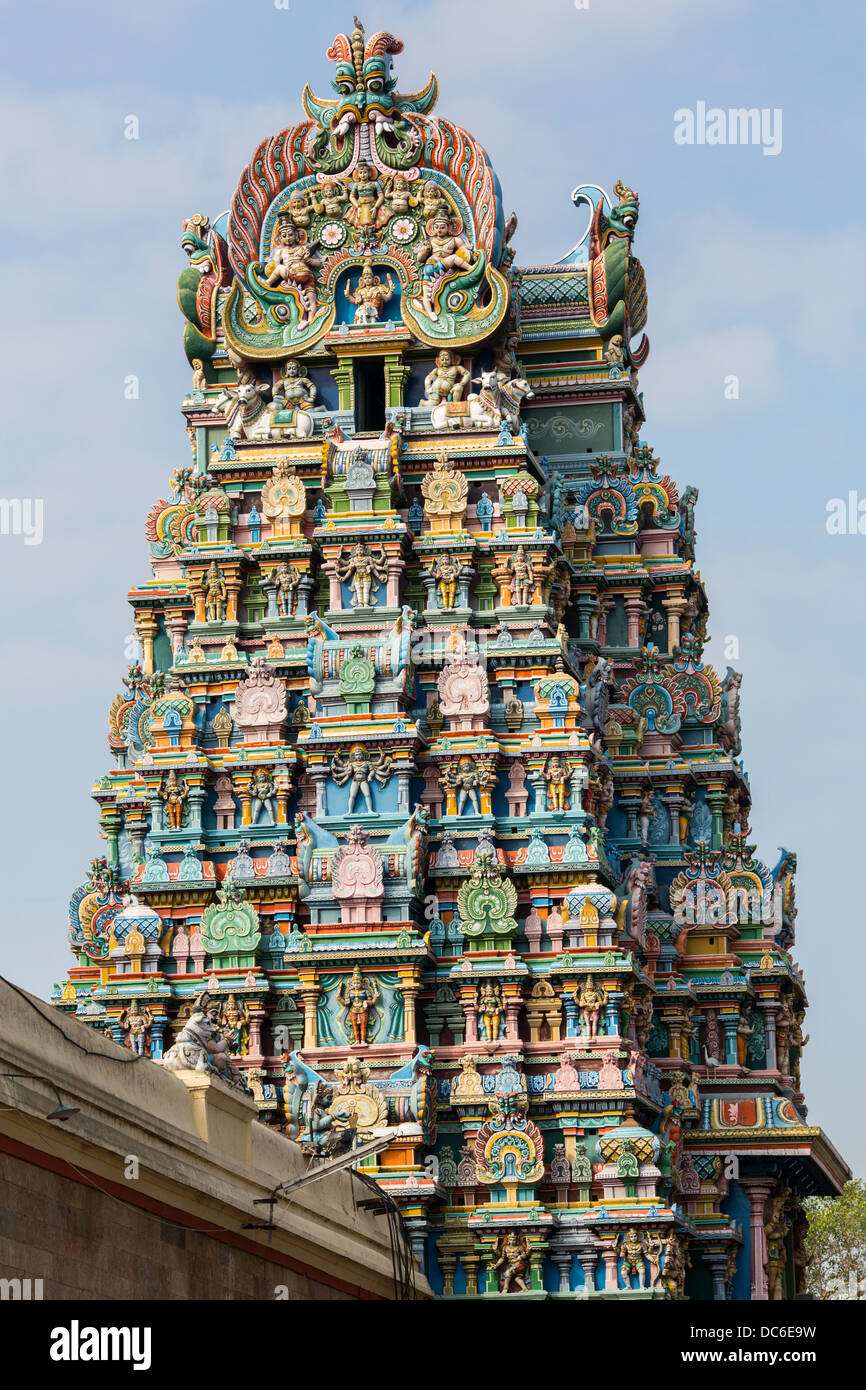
(147,627)
(634,608)
(758,1190)
(674,606)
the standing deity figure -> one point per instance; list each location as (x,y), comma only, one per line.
(596,697)
(605,798)
(360,570)
(359,998)
(557,775)
(653,1249)
(174,794)
(522,579)
(490,1009)
(647,810)
(447,381)
(676,1263)
(215,593)
(235,1019)
(294,391)
(262,793)
(360,769)
(443,249)
(446,572)
(590,1002)
(467,779)
(631,1256)
(287,579)
(512,1253)
(366,212)
(137,1022)
(369,295)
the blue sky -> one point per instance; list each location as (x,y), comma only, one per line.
(754,267)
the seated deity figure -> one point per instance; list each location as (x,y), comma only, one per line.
(360,570)
(294,390)
(369,295)
(442,250)
(293,261)
(359,769)
(447,381)
(399,194)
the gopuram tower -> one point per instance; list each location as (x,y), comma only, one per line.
(427,821)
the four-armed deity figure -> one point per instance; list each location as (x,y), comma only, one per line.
(174,794)
(369,295)
(360,570)
(359,998)
(360,768)
(292,265)
(137,1022)
(490,1008)
(512,1251)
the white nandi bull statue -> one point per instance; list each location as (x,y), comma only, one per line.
(248,415)
(497,400)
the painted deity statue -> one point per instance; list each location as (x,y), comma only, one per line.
(262,792)
(590,1002)
(490,1009)
(367,211)
(467,779)
(631,1256)
(522,579)
(173,795)
(359,998)
(369,295)
(443,249)
(215,593)
(294,390)
(447,381)
(137,1022)
(360,570)
(360,769)
(558,779)
(287,579)
(446,571)
(235,1019)
(512,1253)
(292,266)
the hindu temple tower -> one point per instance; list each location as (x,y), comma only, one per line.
(422,792)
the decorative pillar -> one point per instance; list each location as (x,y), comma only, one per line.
(634,608)
(769,1011)
(674,606)
(610,1256)
(716,801)
(717,1261)
(758,1190)
(147,627)
(730,1022)
(310,997)
(588,1260)
(562,1259)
